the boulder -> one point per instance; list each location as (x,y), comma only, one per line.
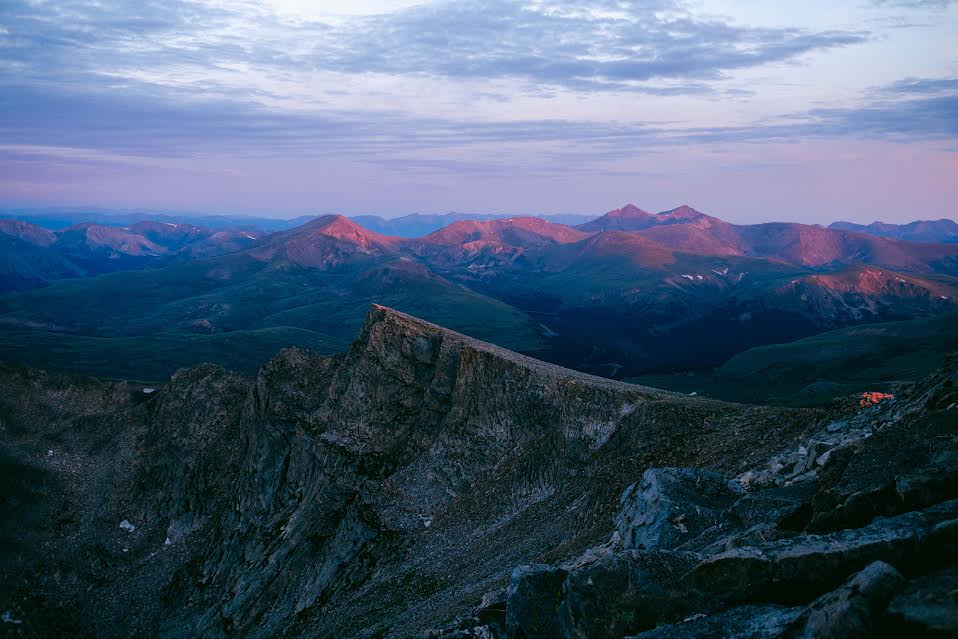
(533,600)
(625,593)
(670,506)
(853,610)
(793,570)
(900,468)
(786,506)
(744,622)
(927,607)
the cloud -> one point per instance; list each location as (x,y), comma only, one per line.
(914,4)
(146,125)
(909,86)
(925,118)
(611,45)
(554,43)
(91,82)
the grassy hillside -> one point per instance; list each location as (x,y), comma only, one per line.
(234,311)
(816,369)
(152,358)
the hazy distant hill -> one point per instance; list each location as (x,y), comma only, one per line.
(412,225)
(32,256)
(54,219)
(419,224)
(943,230)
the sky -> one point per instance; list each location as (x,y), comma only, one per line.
(751,110)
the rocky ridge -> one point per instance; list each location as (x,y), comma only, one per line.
(851,534)
(388,490)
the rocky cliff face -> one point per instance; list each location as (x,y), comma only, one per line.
(852,534)
(390,490)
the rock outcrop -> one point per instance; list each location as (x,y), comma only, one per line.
(852,536)
(425,483)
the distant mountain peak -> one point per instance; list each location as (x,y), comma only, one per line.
(339,227)
(97,237)
(504,230)
(628,218)
(632,218)
(629,210)
(330,240)
(682,212)
(27,232)
(942,230)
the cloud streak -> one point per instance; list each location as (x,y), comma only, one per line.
(564,89)
(612,45)
(552,43)
(145,125)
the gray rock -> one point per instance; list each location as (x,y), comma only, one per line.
(758,517)
(744,622)
(626,593)
(899,469)
(673,505)
(533,600)
(791,570)
(838,425)
(781,506)
(760,478)
(492,611)
(853,610)
(927,607)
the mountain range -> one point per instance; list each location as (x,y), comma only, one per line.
(32,256)
(628,293)
(943,230)
(411,225)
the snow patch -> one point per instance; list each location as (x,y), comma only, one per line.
(127,526)
(148,390)
(249,236)
(7,617)
(688,277)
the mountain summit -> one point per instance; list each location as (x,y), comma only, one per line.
(329,241)
(627,218)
